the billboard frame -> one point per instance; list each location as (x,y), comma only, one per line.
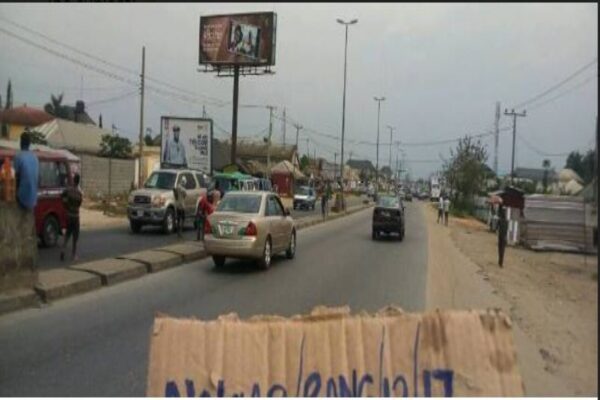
(271,62)
(210,155)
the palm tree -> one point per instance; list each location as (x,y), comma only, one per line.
(55,106)
(546,166)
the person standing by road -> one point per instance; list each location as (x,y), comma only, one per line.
(440,210)
(204,209)
(446,210)
(72,198)
(180,194)
(26,167)
(502,232)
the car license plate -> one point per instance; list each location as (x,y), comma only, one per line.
(140,213)
(227,230)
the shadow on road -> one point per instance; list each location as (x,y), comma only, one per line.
(246,267)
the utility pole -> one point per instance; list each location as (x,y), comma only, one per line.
(271,108)
(346,24)
(236,92)
(378,100)
(284,124)
(298,127)
(514,115)
(203,111)
(397,171)
(335,166)
(496,137)
(391,128)
(142,76)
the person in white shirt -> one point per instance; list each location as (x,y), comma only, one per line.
(175,151)
(446,210)
(440,210)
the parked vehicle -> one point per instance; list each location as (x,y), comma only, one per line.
(155,203)
(408,196)
(435,190)
(305,197)
(388,217)
(250,225)
(263,184)
(56,168)
(229,181)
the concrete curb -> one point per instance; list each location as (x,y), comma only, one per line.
(65,282)
(113,270)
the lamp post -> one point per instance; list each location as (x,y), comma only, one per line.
(346,24)
(378,100)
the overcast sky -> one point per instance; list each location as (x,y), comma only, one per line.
(441,67)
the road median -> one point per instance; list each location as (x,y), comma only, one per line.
(81,278)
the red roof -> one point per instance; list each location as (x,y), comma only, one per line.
(25,116)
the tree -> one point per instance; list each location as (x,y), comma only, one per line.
(100,121)
(546,166)
(55,107)
(583,165)
(148,140)
(115,146)
(9,96)
(37,138)
(465,172)
(304,162)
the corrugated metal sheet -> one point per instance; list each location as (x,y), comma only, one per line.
(72,136)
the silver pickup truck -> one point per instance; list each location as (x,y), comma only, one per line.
(154,204)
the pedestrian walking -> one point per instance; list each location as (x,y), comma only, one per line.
(502,231)
(204,209)
(26,167)
(440,210)
(446,210)
(180,194)
(72,198)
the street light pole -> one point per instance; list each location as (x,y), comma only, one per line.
(378,100)
(340,21)
(391,128)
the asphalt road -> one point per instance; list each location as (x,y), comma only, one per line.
(97,344)
(117,240)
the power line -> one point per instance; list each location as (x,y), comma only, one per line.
(556,86)
(540,152)
(535,106)
(107,63)
(111,99)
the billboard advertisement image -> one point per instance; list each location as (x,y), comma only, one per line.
(243,39)
(186,143)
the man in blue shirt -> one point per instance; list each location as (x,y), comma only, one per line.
(26,167)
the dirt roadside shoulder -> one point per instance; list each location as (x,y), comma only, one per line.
(551,298)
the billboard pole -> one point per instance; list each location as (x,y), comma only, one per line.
(236,89)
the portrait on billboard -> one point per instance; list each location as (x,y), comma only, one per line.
(244,39)
(174,151)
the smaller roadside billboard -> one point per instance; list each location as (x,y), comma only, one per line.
(186,143)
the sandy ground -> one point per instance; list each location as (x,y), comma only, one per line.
(92,219)
(551,296)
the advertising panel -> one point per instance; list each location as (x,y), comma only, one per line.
(186,143)
(243,39)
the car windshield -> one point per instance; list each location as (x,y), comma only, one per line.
(245,204)
(161,180)
(304,191)
(388,202)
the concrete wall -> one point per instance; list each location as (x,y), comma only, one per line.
(18,248)
(95,171)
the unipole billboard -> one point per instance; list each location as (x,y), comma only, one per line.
(238,39)
(186,143)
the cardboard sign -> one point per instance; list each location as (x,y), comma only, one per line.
(331,353)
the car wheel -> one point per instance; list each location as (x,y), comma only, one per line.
(169,221)
(265,261)
(291,250)
(50,231)
(402,235)
(135,226)
(219,261)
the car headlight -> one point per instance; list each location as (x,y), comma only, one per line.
(158,201)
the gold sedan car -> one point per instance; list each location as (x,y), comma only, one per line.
(249,225)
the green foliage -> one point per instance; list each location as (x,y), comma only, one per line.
(56,108)
(115,147)
(304,162)
(465,172)
(9,96)
(37,138)
(582,164)
(148,140)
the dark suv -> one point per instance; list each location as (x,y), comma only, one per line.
(388,217)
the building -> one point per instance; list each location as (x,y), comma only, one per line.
(16,119)
(365,169)
(73,136)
